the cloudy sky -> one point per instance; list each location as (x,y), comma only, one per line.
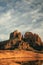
(24,15)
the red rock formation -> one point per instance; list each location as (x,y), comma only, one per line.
(34,40)
(30,40)
(37,39)
(14,34)
(20,36)
(28,35)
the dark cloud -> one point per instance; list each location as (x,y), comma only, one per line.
(3,4)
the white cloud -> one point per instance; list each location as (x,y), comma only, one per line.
(4,37)
(5,17)
(21,16)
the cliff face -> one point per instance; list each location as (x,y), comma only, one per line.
(29,41)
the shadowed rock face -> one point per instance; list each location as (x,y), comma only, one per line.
(34,40)
(29,41)
(33,63)
(14,34)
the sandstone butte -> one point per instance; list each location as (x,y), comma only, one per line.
(21,48)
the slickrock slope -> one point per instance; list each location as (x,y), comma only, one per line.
(20,57)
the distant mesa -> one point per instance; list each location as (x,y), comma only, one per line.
(28,41)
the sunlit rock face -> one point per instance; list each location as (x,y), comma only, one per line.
(16,34)
(29,41)
(37,39)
